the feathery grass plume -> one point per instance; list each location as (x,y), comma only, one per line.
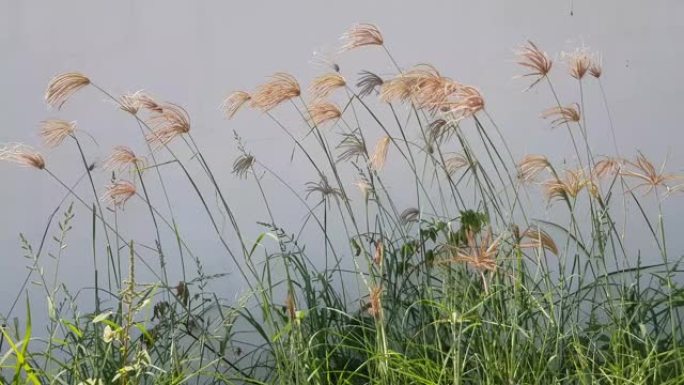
(62,86)
(578,62)
(171,122)
(321,112)
(360,35)
(149,103)
(234,102)
(644,171)
(368,83)
(607,167)
(290,306)
(563,115)
(117,193)
(455,163)
(538,238)
(468,101)
(438,131)
(479,255)
(280,88)
(404,87)
(365,188)
(352,147)
(121,159)
(568,187)
(409,215)
(22,155)
(131,102)
(242,165)
(325,84)
(379,254)
(536,60)
(380,153)
(375,302)
(54,131)
(530,166)
(596,67)
(324,188)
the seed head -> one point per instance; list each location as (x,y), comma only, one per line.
(359,35)
(380,153)
(22,155)
(368,83)
(563,115)
(535,60)
(62,86)
(578,62)
(321,112)
(531,166)
(234,102)
(325,84)
(54,131)
(171,121)
(118,193)
(538,239)
(122,158)
(280,88)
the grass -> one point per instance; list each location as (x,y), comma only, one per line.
(463,286)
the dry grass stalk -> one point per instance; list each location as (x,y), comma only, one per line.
(22,155)
(54,131)
(280,88)
(321,112)
(380,153)
(234,102)
(563,115)
(360,35)
(118,193)
(535,60)
(62,86)
(325,84)
(531,166)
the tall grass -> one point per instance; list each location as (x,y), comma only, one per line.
(466,285)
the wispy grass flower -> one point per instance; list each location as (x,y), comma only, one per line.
(321,112)
(607,167)
(368,83)
(121,159)
(537,238)
(535,60)
(466,102)
(479,255)
(380,153)
(360,35)
(234,102)
(596,67)
(243,164)
(567,187)
(326,84)
(645,172)
(454,163)
(352,147)
(563,115)
(579,62)
(22,155)
(531,166)
(131,102)
(323,188)
(62,86)
(54,131)
(280,88)
(118,193)
(171,122)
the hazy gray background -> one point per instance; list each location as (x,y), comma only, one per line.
(195,52)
